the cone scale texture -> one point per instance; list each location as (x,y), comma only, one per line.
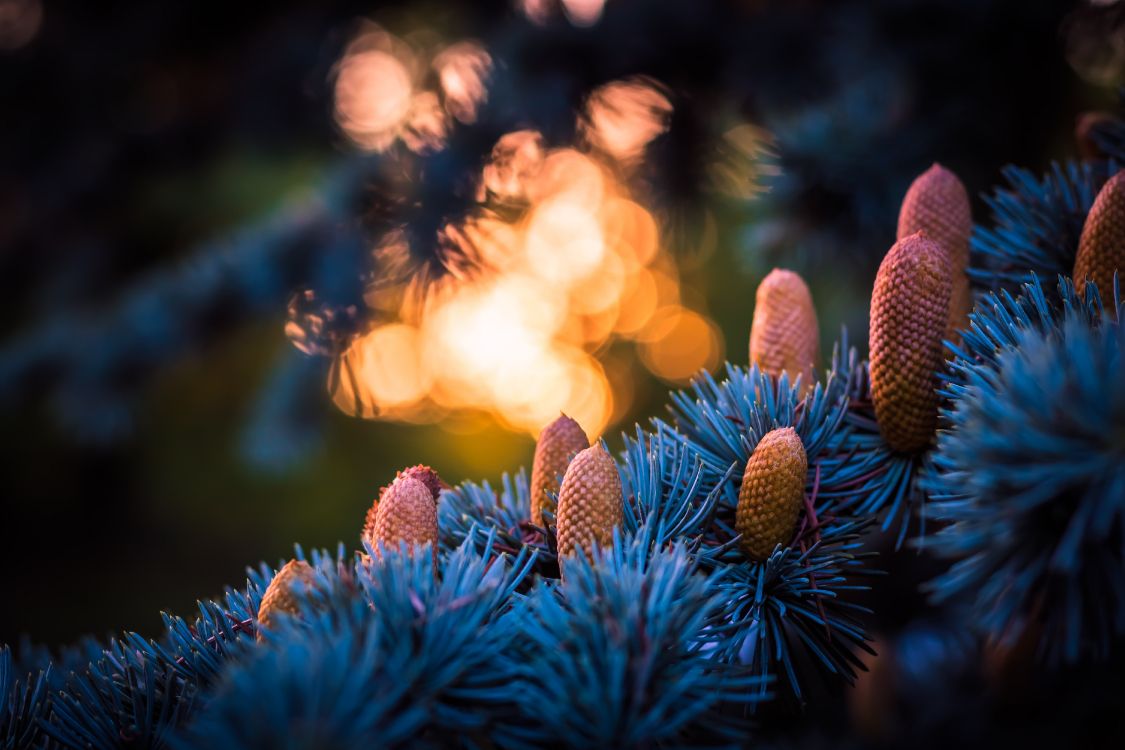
(784,335)
(590,502)
(422,473)
(772,493)
(909,312)
(938,204)
(407,513)
(281,596)
(1101,249)
(558,443)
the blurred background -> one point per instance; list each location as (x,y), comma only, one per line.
(254,262)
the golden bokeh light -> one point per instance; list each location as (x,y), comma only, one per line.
(374,95)
(380,99)
(516,161)
(463,71)
(682,343)
(516,330)
(622,117)
(384,371)
(583,12)
(426,127)
(564,241)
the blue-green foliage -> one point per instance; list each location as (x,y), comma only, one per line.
(123,698)
(669,494)
(791,610)
(24,703)
(624,653)
(390,653)
(852,471)
(1036,223)
(497,522)
(130,692)
(1000,322)
(1030,477)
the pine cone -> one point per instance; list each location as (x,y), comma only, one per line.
(772,492)
(421,472)
(280,595)
(407,513)
(909,311)
(938,204)
(558,443)
(784,336)
(590,502)
(1101,250)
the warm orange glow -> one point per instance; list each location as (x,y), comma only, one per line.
(380,100)
(583,12)
(463,70)
(600,291)
(537,11)
(516,330)
(624,116)
(682,343)
(516,161)
(373,98)
(386,364)
(632,232)
(747,161)
(564,242)
(638,304)
(426,126)
(572,176)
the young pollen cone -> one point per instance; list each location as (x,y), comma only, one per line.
(422,473)
(938,204)
(590,502)
(407,513)
(1101,249)
(909,311)
(784,336)
(558,443)
(281,595)
(772,492)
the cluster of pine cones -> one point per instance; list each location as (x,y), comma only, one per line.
(921,299)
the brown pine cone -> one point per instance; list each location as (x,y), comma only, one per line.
(407,513)
(772,492)
(558,443)
(280,596)
(938,204)
(909,312)
(421,472)
(590,502)
(784,336)
(1101,249)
